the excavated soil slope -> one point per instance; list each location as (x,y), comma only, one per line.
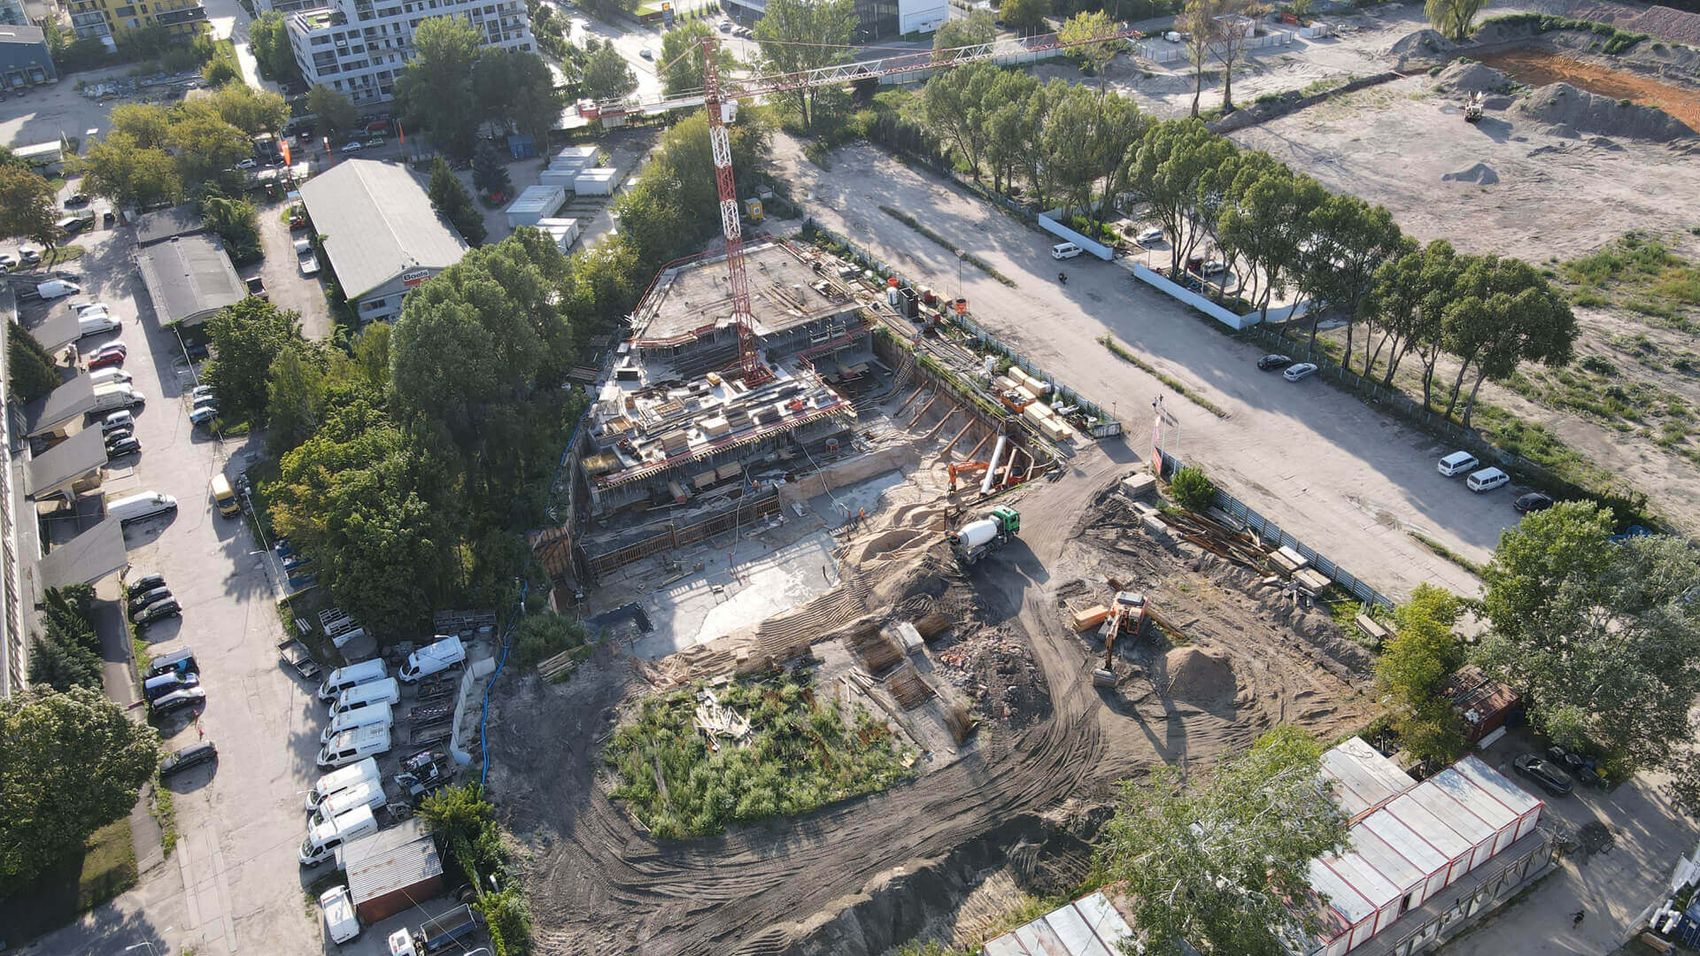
(1541,68)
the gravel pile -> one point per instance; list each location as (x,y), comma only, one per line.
(1471,77)
(1561,104)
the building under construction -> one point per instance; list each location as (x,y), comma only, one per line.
(676,438)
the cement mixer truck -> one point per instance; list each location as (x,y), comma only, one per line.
(980,537)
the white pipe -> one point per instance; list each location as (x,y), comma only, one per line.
(992,469)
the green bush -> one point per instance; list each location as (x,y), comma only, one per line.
(1192,490)
(542,636)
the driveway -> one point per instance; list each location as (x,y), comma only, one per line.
(281,270)
(1330,470)
(233,885)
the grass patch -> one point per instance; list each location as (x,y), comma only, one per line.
(62,254)
(802,752)
(163,808)
(109,865)
(967,257)
(1132,358)
(1443,551)
(105,868)
(1638,273)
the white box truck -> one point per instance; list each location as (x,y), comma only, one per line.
(385,691)
(323,840)
(446,653)
(137,507)
(352,745)
(356,718)
(353,675)
(337,781)
(113,396)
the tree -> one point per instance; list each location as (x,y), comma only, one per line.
(1192,489)
(1350,239)
(1215,865)
(62,665)
(1085,28)
(1197,20)
(435,89)
(1413,670)
(78,746)
(954,103)
(534,101)
(1504,313)
(489,171)
(541,636)
(798,35)
(607,76)
(295,395)
(268,36)
(28,206)
(249,110)
(1229,40)
(451,201)
(221,70)
(1408,296)
(146,124)
(978,27)
(204,144)
(128,173)
(1172,158)
(247,336)
(1011,127)
(335,115)
(236,222)
(1600,636)
(1025,16)
(1456,19)
(682,61)
(33,372)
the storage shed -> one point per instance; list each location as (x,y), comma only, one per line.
(575,158)
(392,870)
(1089,926)
(1484,703)
(597,181)
(563,231)
(536,202)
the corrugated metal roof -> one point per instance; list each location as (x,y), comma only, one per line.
(1363,779)
(189,278)
(1477,801)
(1089,926)
(1428,827)
(1398,835)
(1495,784)
(378,224)
(400,867)
(381,842)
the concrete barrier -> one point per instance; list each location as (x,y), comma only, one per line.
(1179,293)
(1049,223)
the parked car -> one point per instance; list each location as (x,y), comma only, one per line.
(85,308)
(29,256)
(1270,363)
(1065,250)
(1214,267)
(353,146)
(1487,479)
(7,260)
(249,163)
(1458,463)
(119,447)
(375,142)
(1532,502)
(106,360)
(150,596)
(202,415)
(116,346)
(202,391)
(1299,372)
(188,697)
(647,53)
(1150,236)
(76,199)
(122,431)
(726,26)
(154,613)
(196,753)
(1545,773)
(143,584)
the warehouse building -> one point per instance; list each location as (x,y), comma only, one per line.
(24,58)
(381,235)
(189,278)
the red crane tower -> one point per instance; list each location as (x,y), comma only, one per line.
(721,102)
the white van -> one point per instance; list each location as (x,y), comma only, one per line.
(340,923)
(353,675)
(446,653)
(1487,479)
(1065,250)
(1457,463)
(137,507)
(95,322)
(352,745)
(366,793)
(337,781)
(115,396)
(385,691)
(322,840)
(110,375)
(356,718)
(57,289)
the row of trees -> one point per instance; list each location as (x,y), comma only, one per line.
(157,154)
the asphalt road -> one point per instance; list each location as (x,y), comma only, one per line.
(233,884)
(1333,472)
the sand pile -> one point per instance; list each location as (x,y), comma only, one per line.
(1471,77)
(1199,676)
(1423,43)
(1561,104)
(1481,174)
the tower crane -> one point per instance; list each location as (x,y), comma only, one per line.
(722,94)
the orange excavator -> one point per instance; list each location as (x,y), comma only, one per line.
(966,469)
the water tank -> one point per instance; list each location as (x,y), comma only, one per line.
(977,533)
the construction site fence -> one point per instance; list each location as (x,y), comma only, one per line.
(1374,392)
(1271,533)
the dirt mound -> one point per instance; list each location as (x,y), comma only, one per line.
(1471,77)
(1423,43)
(1563,104)
(1481,174)
(1200,676)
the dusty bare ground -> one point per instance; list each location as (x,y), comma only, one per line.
(861,876)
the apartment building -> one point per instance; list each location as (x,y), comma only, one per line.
(110,19)
(358,47)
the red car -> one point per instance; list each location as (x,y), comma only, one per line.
(106,360)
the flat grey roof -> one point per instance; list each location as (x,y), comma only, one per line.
(697,296)
(189,278)
(378,224)
(78,455)
(68,401)
(12,33)
(56,330)
(179,220)
(87,558)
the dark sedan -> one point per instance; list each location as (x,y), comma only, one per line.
(156,612)
(1270,363)
(119,447)
(1546,773)
(1532,502)
(142,600)
(143,584)
(195,753)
